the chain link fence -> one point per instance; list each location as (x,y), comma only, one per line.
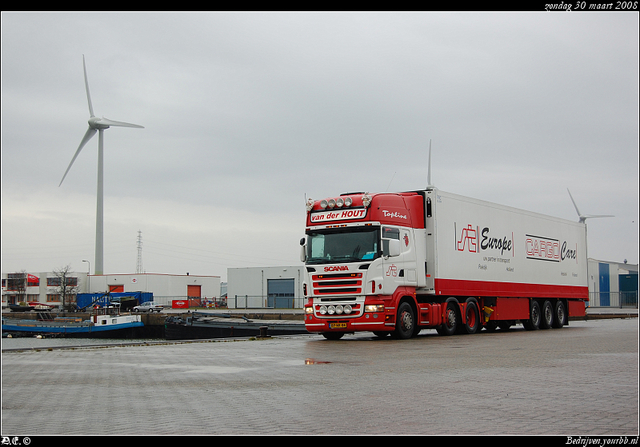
(264,302)
(613,299)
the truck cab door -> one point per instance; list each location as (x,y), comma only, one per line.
(399,263)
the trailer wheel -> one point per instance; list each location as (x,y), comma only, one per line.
(451,319)
(405,322)
(547,315)
(533,323)
(559,315)
(472,318)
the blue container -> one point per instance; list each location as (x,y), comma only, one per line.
(100,299)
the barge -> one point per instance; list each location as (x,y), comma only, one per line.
(103,323)
(200,325)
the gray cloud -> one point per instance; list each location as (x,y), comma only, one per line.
(246,113)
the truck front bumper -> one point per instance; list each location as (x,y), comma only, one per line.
(374,317)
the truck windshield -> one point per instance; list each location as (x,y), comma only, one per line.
(350,244)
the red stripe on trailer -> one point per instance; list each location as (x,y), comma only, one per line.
(458,287)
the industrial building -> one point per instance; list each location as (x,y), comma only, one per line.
(612,284)
(45,287)
(265,287)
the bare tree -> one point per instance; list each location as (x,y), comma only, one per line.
(17,282)
(66,285)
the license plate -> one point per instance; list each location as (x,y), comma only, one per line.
(337,325)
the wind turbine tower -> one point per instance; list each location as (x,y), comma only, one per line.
(97,125)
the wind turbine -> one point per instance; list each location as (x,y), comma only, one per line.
(584,217)
(583,220)
(96,125)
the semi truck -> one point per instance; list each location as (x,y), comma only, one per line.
(397,263)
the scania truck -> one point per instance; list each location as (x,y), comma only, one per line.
(397,263)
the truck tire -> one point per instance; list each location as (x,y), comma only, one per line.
(559,315)
(405,321)
(533,323)
(547,315)
(451,319)
(472,317)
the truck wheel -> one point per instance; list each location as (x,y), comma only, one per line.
(547,315)
(333,335)
(533,323)
(451,319)
(405,322)
(559,315)
(472,318)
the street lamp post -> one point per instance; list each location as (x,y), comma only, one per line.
(88,276)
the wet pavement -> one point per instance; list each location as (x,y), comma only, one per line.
(581,380)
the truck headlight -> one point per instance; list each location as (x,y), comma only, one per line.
(374,308)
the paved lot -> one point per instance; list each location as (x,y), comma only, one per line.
(580,380)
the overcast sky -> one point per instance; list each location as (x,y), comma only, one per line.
(246,114)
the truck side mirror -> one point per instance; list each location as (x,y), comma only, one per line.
(303,250)
(392,247)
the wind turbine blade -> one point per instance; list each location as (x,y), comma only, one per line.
(87,136)
(86,86)
(590,216)
(574,203)
(109,122)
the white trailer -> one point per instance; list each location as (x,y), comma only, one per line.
(482,249)
(400,262)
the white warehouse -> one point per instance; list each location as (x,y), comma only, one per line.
(612,284)
(265,287)
(165,287)
(44,287)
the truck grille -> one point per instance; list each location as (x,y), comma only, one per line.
(337,284)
